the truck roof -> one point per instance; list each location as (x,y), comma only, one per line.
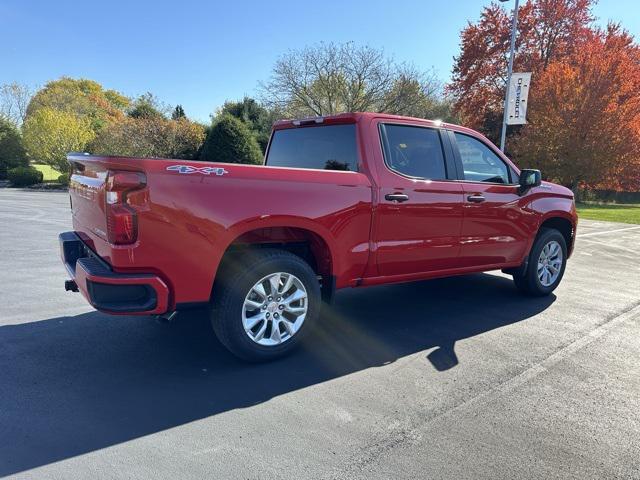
(349,117)
(354,117)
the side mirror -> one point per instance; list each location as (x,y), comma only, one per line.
(529,178)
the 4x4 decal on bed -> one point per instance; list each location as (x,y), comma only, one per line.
(204,170)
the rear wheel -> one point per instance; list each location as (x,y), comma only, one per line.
(546,265)
(265,302)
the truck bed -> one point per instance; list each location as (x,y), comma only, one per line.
(190,212)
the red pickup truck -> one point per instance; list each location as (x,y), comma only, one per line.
(343,201)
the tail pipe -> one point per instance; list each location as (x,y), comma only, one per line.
(70,286)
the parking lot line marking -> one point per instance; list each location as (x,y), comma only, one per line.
(609,245)
(555,358)
(608,231)
(403,437)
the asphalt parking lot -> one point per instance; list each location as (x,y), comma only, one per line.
(453,378)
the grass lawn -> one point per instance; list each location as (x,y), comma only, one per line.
(49,173)
(609,212)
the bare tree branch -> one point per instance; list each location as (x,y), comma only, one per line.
(14,99)
(332,78)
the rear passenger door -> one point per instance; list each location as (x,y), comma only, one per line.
(418,217)
(494,230)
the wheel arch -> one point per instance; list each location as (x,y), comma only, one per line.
(303,239)
(562,223)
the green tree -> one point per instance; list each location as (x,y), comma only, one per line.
(83,98)
(409,96)
(50,134)
(178,113)
(12,153)
(231,141)
(147,106)
(258,118)
(150,137)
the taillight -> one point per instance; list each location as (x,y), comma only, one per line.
(122,215)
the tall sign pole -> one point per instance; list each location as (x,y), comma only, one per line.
(514,26)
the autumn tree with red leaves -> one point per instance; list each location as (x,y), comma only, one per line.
(547,30)
(584,117)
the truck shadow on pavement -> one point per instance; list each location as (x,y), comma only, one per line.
(72,385)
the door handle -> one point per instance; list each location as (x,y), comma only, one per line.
(396,197)
(476,198)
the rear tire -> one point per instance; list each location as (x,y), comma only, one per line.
(546,265)
(264,302)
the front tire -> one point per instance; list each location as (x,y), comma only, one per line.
(546,265)
(264,303)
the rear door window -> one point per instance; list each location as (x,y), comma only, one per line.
(414,151)
(330,147)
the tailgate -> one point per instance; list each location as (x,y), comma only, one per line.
(107,193)
(87,191)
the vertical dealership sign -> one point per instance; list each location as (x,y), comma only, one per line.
(518,93)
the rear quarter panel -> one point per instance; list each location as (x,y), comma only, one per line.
(191,219)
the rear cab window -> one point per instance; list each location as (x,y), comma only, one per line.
(326,147)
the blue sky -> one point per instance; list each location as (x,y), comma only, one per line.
(200,53)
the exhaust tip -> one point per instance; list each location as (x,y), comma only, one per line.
(167,317)
(70,286)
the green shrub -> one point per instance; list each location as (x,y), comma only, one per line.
(24,176)
(231,141)
(258,118)
(64,179)
(12,153)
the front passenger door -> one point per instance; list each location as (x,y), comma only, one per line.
(497,221)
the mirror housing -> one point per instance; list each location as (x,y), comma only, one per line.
(529,178)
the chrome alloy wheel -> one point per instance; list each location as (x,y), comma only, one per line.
(274,309)
(550,263)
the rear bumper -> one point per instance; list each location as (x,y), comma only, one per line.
(108,291)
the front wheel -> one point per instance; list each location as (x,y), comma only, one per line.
(547,262)
(265,302)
